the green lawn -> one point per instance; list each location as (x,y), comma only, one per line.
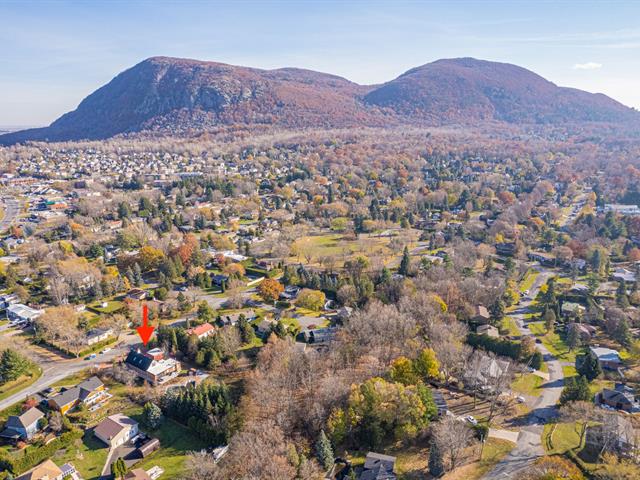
(509,325)
(177,441)
(553,342)
(528,280)
(9,388)
(112,307)
(527,384)
(87,455)
(560,437)
(569,371)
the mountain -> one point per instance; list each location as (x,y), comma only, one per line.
(466,88)
(177,95)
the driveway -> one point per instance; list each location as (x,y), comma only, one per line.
(529,443)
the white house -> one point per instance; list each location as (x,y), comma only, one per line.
(19,313)
(116,430)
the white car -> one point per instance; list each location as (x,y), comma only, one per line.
(520,399)
(108,349)
(471,419)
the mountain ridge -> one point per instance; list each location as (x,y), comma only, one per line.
(174,95)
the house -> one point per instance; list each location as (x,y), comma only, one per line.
(481,315)
(617,435)
(572,309)
(545,259)
(485,371)
(488,330)
(116,430)
(137,294)
(378,467)
(507,249)
(621,397)
(202,331)
(19,313)
(586,331)
(219,452)
(219,279)
(608,358)
(8,299)
(264,327)
(98,335)
(320,335)
(87,392)
(23,426)
(629,210)
(152,366)
(344,313)
(290,293)
(623,275)
(47,470)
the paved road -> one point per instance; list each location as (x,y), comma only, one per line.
(11,211)
(529,445)
(56,367)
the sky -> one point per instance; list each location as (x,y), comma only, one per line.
(53,53)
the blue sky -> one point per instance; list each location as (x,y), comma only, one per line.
(53,53)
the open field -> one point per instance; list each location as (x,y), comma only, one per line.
(553,342)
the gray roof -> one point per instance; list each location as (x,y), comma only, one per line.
(79,392)
(26,419)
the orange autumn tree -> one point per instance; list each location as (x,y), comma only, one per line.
(270,290)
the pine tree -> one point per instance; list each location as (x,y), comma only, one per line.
(436,462)
(152,415)
(588,366)
(137,274)
(324,452)
(405,263)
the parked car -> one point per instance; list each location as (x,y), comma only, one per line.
(471,419)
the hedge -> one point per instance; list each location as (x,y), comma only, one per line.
(34,456)
(505,348)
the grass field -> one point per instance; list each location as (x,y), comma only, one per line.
(312,248)
(494,450)
(9,388)
(528,280)
(527,384)
(553,342)
(112,307)
(558,438)
(509,324)
(88,455)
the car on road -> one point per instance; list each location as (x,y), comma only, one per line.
(91,357)
(108,349)
(471,419)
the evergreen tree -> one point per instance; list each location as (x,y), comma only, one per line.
(324,452)
(152,415)
(405,263)
(119,468)
(549,318)
(12,365)
(588,366)
(137,274)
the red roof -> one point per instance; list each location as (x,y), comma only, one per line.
(201,329)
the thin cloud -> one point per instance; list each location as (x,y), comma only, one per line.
(587,66)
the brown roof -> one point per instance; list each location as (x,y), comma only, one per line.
(47,470)
(112,426)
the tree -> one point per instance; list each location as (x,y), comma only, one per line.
(13,365)
(588,366)
(436,462)
(324,451)
(56,422)
(575,390)
(498,309)
(270,290)
(452,437)
(573,336)
(405,263)
(311,299)
(427,365)
(581,412)
(119,468)
(152,415)
(549,319)
(402,370)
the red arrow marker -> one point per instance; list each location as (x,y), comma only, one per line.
(145,331)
